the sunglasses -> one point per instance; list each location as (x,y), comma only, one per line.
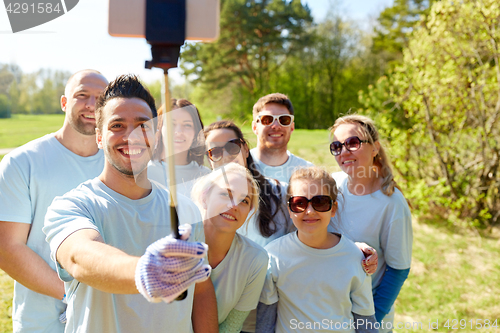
(233,147)
(320,203)
(285,120)
(351,144)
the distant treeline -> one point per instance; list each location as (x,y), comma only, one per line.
(30,93)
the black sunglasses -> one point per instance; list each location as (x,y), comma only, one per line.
(320,203)
(352,143)
(233,147)
(285,120)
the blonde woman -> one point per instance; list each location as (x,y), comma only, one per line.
(225,142)
(374,209)
(226,197)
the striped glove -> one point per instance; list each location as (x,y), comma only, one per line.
(170,266)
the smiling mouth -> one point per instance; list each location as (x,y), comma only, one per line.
(131,152)
(229,217)
(348,162)
(310,221)
(275,135)
(89,116)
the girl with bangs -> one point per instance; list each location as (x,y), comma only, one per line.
(314,281)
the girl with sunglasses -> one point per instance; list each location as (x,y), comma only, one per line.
(226,197)
(188,147)
(225,143)
(314,274)
(366,181)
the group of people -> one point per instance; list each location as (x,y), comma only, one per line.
(267,239)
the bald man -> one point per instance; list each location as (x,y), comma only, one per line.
(31,176)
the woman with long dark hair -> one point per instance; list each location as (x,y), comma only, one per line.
(188,147)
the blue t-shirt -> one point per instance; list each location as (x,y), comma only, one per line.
(31,176)
(281,172)
(131,226)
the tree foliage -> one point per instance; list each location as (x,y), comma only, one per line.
(256,38)
(441,111)
(32,93)
(272,46)
(395,25)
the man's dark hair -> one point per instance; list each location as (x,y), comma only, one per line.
(125,86)
(277,98)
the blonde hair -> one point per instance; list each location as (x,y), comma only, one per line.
(205,184)
(381,160)
(314,174)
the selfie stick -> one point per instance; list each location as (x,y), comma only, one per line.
(165,31)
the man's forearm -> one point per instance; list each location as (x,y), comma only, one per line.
(26,267)
(23,264)
(85,257)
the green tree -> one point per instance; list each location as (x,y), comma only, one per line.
(257,37)
(6,78)
(441,111)
(395,24)
(4,107)
(324,78)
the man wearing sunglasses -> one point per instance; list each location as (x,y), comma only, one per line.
(273,124)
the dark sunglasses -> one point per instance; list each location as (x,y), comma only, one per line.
(351,144)
(320,203)
(284,119)
(233,147)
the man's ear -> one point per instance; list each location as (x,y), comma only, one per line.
(98,138)
(64,100)
(292,127)
(254,127)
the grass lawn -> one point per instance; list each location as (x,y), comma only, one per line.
(454,274)
(19,129)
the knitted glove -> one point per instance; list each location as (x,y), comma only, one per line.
(170,266)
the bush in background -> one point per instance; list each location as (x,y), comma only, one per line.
(440,110)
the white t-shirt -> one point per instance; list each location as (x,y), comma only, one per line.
(239,277)
(316,289)
(380,221)
(284,224)
(131,226)
(383,222)
(31,176)
(185,175)
(282,172)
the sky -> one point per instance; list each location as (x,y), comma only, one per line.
(79,39)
